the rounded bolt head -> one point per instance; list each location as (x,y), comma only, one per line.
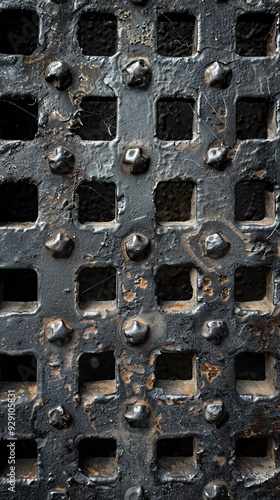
(137,247)
(215,412)
(218,75)
(57,331)
(215,331)
(58,417)
(58,74)
(61,246)
(215,490)
(137,414)
(215,246)
(61,161)
(217,157)
(137,74)
(134,493)
(137,160)
(135,332)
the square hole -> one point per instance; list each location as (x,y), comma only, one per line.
(176,458)
(19,290)
(18,118)
(175,119)
(254,202)
(18,373)
(97,375)
(176,287)
(255,456)
(19,31)
(253,289)
(255,35)
(97,202)
(98,34)
(176,35)
(97,457)
(254,119)
(26,458)
(176,373)
(254,373)
(174,202)
(18,202)
(98,116)
(97,288)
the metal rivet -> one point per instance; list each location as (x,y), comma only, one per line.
(217,157)
(137,414)
(134,493)
(215,412)
(215,246)
(59,417)
(137,247)
(58,74)
(137,160)
(137,74)
(135,332)
(215,331)
(61,246)
(57,331)
(218,75)
(215,490)
(61,161)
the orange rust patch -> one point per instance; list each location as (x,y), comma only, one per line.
(223,279)
(225,294)
(128,295)
(218,459)
(136,388)
(210,371)
(206,286)
(141,282)
(150,381)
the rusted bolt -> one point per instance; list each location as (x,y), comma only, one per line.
(137,160)
(217,157)
(137,74)
(61,161)
(215,246)
(58,74)
(59,417)
(137,247)
(57,331)
(215,490)
(135,332)
(218,75)
(57,495)
(215,331)
(61,246)
(134,493)
(137,414)
(215,412)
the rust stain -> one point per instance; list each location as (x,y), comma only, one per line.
(128,295)
(210,371)
(141,282)
(136,388)
(225,294)
(220,460)
(206,286)
(223,279)
(150,381)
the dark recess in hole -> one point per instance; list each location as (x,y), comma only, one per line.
(18,202)
(18,118)
(175,35)
(252,118)
(254,35)
(250,284)
(97,447)
(174,366)
(99,118)
(251,447)
(96,284)
(250,200)
(24,449)
(18,368)
(18,285)
(174,283)
(174,201)
(177,447)
(175,119)
(250,366)
(97,202)
(94,367)
(97,34)
(19,31)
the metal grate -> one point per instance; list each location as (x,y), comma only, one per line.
(139,252)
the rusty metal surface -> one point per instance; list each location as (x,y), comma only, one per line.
(210,407)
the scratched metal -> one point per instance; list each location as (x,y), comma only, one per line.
(59,329)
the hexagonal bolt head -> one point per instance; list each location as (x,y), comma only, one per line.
(218,75)
(215,246)
(137,414)
(137,160)
(57,331)
(57,495)
(137,74)
(61,161)
(58,74)
(215,331)
(215,412)
(215,490)
(59,417)
(135,332)
(217,157)
(61,246)
(134,493)
(137,247)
